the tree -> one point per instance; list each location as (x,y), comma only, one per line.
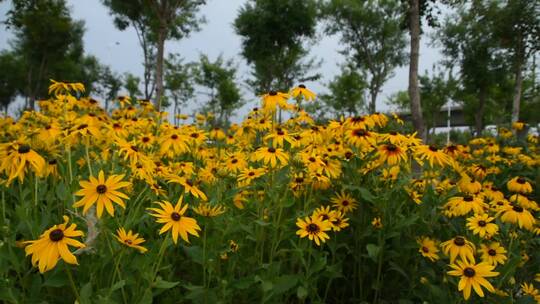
(468,40)
(219,78)
(375,42)
(274,35)
(178,82)
(435,91)
(517,25)
(346,92)
(11,78)
(131,84)
(134,14)
(49,42)
(414,94)
(164,19)
(108,85)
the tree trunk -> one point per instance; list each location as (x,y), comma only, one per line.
(517,89)
(479,115)
(159,66)
(414,92)
(373,101)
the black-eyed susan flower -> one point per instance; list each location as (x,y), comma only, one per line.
(428,248)
(302,91)
(344,202)
(515,214)
(273,99)
(130,239)
(493,253)
(53,244)
(271,156)
(188,184)
(473,277)
(519,184)
(338,221)
(102,192)
(392,154)
(174,219)
(462,205)
(377,223)
(17,158)
(248,175)
(481,224)
(459,246)
(207,210)
(433,155)
(314,228)
(279,137)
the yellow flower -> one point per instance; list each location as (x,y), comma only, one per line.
(428,248)
(273,99)
(473,277)
(17,157)
(271,156)
(377,223)
(173,219)
(392,154)
(344,202)
(493,253)
(433,155)
(314,228)
(517,215)
(103,192)
(301,90)
(520,185)
(459,246)
(130,239)
(53,244)
(208,210)
(481,224)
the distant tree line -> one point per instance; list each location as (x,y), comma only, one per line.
(490,50)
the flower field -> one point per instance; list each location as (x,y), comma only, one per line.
(128,207)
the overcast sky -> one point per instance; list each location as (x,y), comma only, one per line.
(121,50)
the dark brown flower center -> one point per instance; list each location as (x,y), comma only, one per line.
(433,149)
(481,223)
(459,241)
(299,180)
(302,86)
(468,198)
(145,139)
(391,148)
(251,173)
(312,228)
(517,209)
(134,148)
(175,216)
(345,203)
(271,150)
(272,93)
(56,235)
(194,135)
(425,249)
(23,149)
(492,252)
(280,133)
(101,189)
(52,162)
(129,242)
(83,126)
(469,272)
(521,180)
(174,136)
(234,160)
(360,132)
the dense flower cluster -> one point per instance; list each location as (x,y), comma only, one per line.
(472,206)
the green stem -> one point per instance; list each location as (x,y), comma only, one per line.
(72,282)
(379,269)
(204,256)
(88,158)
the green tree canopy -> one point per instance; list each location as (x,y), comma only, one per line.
(275,34)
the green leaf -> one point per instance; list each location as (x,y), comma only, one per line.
(147,297)
(301,292)
(284,283)
(373,251)
(159,283)
(86,293)
(118,285)
(57,279)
